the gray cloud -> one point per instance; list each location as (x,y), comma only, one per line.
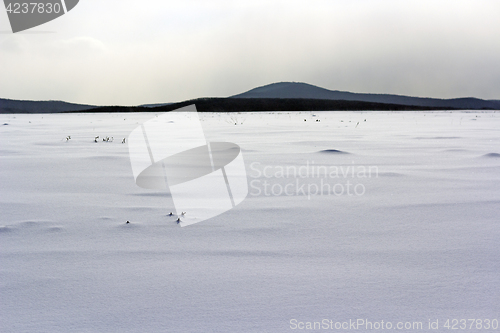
(116,52)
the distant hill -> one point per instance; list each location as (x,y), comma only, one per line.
(308,91)
(15,106)
(283,96)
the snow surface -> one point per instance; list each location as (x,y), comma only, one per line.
(422,242)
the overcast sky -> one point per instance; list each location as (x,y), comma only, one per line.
(133,52)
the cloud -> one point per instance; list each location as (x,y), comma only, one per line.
(82,45)
(116,52)
(14,44)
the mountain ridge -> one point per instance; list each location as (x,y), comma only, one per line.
(309,91)
(277,96)
(27,106)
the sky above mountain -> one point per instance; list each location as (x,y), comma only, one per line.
(129,52)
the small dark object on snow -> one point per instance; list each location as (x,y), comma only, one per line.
(127,222)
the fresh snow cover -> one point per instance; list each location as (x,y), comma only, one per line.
(421,242)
